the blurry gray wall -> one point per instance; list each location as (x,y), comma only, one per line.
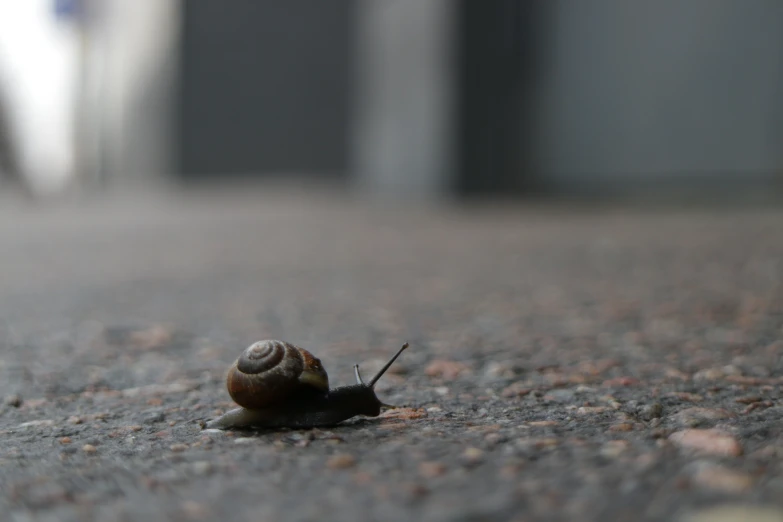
(432,96)
(564,96)
(638,94)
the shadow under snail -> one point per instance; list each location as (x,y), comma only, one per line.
(279,385)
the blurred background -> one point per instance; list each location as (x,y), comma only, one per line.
(181,178)
(396,97)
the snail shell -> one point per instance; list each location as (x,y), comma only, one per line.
(268,371)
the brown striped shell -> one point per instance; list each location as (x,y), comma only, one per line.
(268,371)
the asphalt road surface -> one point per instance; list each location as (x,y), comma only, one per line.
(565,364)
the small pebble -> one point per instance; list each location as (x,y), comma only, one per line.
(472,456)
(685,396)
(649,412)
(65,440)
(698,416)
(37,423)
(542,424)
(708,442)
(14,400)
(404,413)
(155,336)
(494,438)
(417,490)
(201,467)
(75,420)
(560,395)
(645,461)
(159,389)
(515,390)
(152,418)
(710,374)
(341,461)
(623,426)
(194,510)
(767,452)
(13,453)
(387,426)
(620,381)
(443,369)
(510,471)
(244,440)
(506,370)
(736,513)
(89,448)
(178,447)
(719,478)
(758,405)
(431,469)
(362,478)
(674,373)
(614,448)
(591,410)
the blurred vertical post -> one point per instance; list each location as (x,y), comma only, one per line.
(403,137)
(128,80)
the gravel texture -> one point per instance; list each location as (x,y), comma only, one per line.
(565,364)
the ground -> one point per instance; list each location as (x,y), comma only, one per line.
(565,364)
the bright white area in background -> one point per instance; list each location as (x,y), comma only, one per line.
(39,54)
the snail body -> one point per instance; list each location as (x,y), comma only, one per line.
(277,385)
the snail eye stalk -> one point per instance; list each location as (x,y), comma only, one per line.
(386,366)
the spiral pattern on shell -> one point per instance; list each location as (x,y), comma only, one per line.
(268,371)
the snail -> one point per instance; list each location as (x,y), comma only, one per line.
(279,385)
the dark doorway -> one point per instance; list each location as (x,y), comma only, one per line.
(497,61)
(265,88)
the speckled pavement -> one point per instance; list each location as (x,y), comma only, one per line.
(565,363)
